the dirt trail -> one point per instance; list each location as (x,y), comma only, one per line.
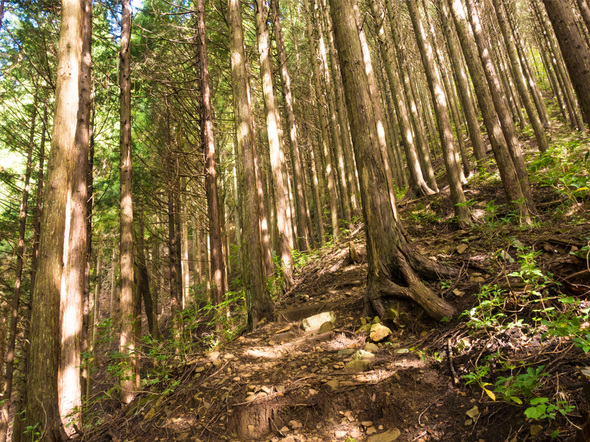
(283,382)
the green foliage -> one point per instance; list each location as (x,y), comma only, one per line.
(541,408)
(565,168)
(34,432)
(489,312)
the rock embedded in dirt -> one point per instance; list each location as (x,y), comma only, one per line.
(363,354)
(326,327)
(388,436)
(364,328)
(461,248)
(345,352)
(333,384)
(295,424)
(373,348)
(371,430)
(313,323)
(379,332)
(357,366)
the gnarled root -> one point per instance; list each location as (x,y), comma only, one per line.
(382,284)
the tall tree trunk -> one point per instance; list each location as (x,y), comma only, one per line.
(506,166)
(574,49)
(143,285)
(377,108)
(526,68)
(75,270)
(208,141)
(258,302)
(185,270)
(275,142)
(112,304)
(390,257)
(558,63)
(127,344)
(386,40)
(506,122)
(42,379)
(324,123)
(349,161)
(296,162)
(462,83)
(336,134)
(20,260)
(519,77)
(441,109)
(94,318)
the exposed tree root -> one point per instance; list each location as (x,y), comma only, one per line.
(401,279)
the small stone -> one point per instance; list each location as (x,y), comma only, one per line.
(388,436)
(200,369)
(461,248)
(367,424)
(364,328)
(345,351)
(213,355)
(314,322)
(373,348)
(458,292)
(371,430)
(312,392)
(401,351)
(333,384)
(218,362)
(295,424)
(340,433)
(362,354)
(473,413)
(358,365)
(285,429)
(379,332)
(326,327)
(237,379)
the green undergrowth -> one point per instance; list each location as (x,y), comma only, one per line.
(516,323)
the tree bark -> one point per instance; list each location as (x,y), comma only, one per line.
(387,40)
(275,143)
(462,83)
(441,109)
(258,302)
(390,257)
(504,160)
(519,77)
(574,49)
(508,129)
(323,120)
(208,140)
(296,162)
(42,380)
(127,344)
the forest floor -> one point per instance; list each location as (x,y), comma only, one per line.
(507,369)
